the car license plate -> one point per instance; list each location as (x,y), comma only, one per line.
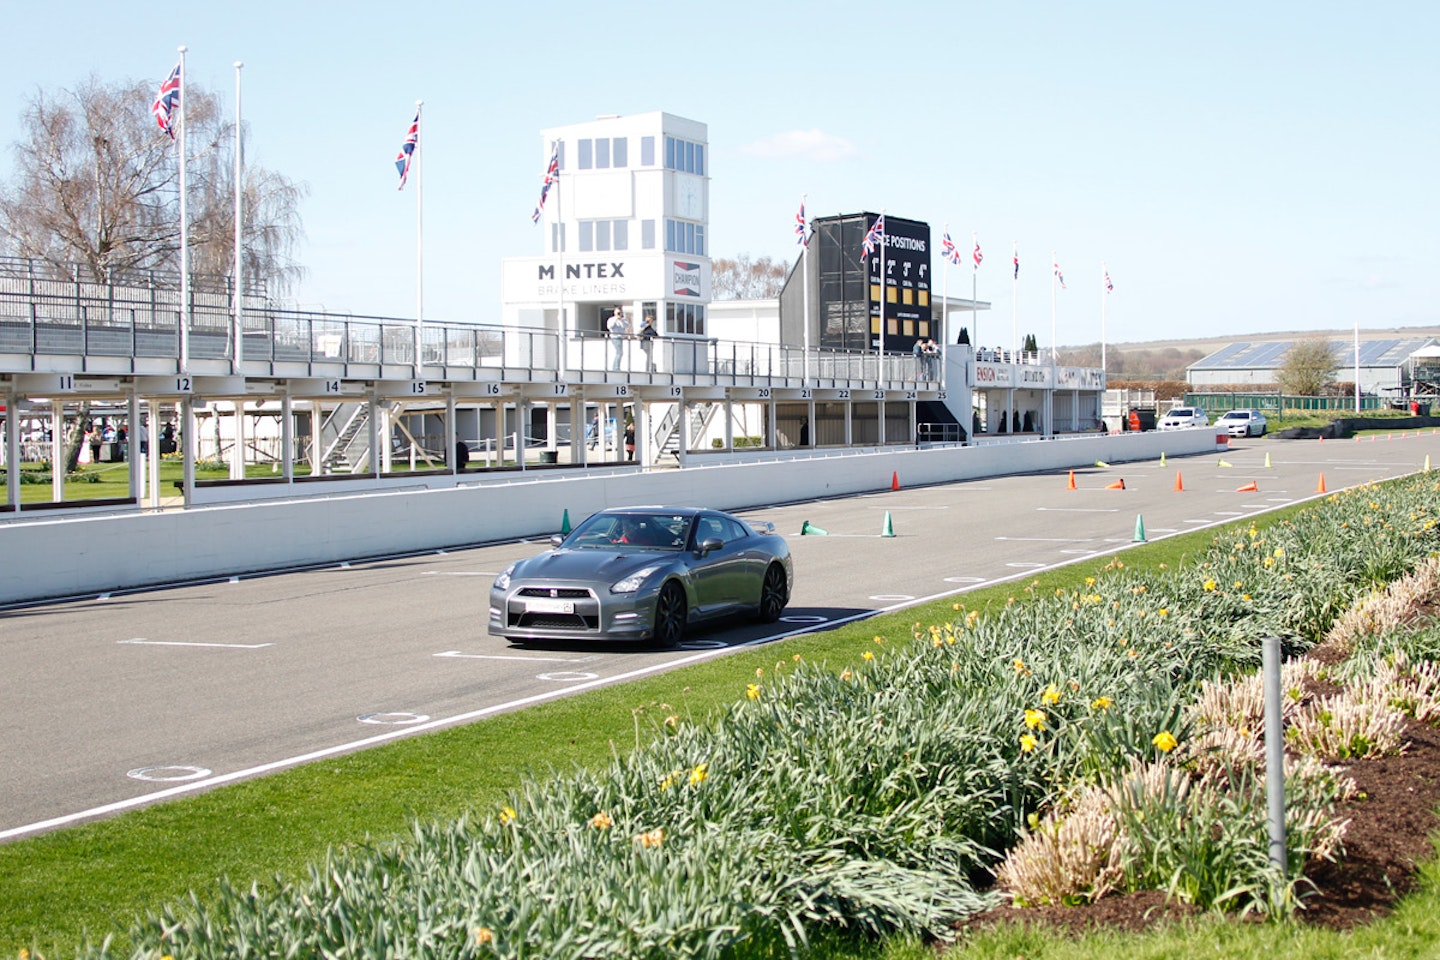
(546,605)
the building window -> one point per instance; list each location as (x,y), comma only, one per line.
(602,234)
(585,149)
(596,235)
(557,238)
(685,318)
(587,236)
(685,155)
(685,236)
(647,234)
(647,151)
(602,153)
(620,235)
(620,152)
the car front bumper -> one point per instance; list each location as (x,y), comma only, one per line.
(549,611)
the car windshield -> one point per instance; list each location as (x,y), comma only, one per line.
(1182,412)
(1236,415)
(622,531)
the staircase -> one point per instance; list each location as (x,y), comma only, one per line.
(667,435)
(345,439)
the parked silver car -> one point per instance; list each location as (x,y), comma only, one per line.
(643,573)
(1243,423)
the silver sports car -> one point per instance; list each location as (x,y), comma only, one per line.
(643,573)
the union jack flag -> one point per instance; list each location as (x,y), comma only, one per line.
(948,250)
(1058,275)
(407,150)
(800,224)
(1109,287)
(552,173)
(874,237)
(166,102)
(976,255)
(1017,262)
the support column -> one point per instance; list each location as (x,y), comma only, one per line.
(287,438)
(552,426)
(522,426)
(237,451)
(682,424)
(849,423)
(729,424)
(772,425)
(810,422)
(134,462)
(642,432)
(152,443)
(452,435)
(579,420)
(880,416)
(372,427)
(317,416)
(57,450)
(12,452)
(914,422)
(187,447)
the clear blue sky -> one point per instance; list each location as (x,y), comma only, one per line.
(1241,166)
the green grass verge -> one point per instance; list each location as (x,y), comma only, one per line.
(97,877)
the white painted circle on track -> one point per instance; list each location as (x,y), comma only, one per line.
(703,644)
(1024,564)
(802,619)
(892,597)
(399,719)
(1082,553)
(964,579)
(567,676)
(170,774)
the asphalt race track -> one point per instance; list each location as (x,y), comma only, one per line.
(118,701)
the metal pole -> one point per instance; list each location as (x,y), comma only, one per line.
(184,230)
(239,354)
(1274,751)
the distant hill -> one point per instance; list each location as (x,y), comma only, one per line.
(1167,359)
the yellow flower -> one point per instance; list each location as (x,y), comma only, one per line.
(673,721)
(846,674)
(1164,741)
(1279,552)
(867,655)
(508,815)
(602,821)
(753,692)
(1027,742)
(668,782)
(1238,584)
(484,936)
(1090,581)
(1163,611)
(1051,695)
(1035,719)
(957,606)
(1101,703)
(879,639)
(698,775)
(1019,665)
(972,618)
(1209,584)
(759,671)
(651,839)
(796,657)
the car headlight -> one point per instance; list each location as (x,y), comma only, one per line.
(502,582)
(632,583)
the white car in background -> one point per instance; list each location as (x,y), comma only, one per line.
(1243,423)
(1181,417)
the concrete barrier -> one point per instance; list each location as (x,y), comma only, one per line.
(82,555)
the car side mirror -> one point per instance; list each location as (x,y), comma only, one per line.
(556,539)
(710,546)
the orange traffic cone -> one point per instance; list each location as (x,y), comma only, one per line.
(1179,484)
(1117,485)
(895,480)
(1251,487)
(1320,487)
(1071,484)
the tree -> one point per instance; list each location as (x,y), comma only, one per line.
(97,183)
(1307,368)
(746,279)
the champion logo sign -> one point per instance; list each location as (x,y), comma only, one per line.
(686,279)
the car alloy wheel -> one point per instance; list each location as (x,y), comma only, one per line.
(670,614)
(774,594)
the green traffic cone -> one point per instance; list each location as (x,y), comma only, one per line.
(808,529)
(1139,528)
(565,524)
(889,529)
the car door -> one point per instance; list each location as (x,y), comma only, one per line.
(718,576)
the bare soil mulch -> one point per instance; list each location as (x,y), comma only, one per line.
(1391,821)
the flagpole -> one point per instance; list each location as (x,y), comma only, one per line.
(880,358)
(945,303)
(419,245)
(805,289)
(1054,278)
(1014,302)
(1104,277)
(974,280)
(560,283)
(239,354)
(1357,364)
(184,231)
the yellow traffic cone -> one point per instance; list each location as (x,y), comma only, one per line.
(1162,458)
(1224,463)
(1267,459)
(1101,464)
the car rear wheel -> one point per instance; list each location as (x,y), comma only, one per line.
(774,594)
(670,614)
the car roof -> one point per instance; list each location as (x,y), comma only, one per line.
(657,508)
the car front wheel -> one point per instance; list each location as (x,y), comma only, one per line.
(774,594)
(670,614)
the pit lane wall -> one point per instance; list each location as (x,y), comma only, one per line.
(79,556)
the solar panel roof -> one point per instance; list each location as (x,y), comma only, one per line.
(1269,354)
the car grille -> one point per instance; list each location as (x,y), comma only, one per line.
(585,618)
(556,621)
(561,593)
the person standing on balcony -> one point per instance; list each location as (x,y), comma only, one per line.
(617,328)
(648,333)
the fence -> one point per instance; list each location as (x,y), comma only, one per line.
(1275,404)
